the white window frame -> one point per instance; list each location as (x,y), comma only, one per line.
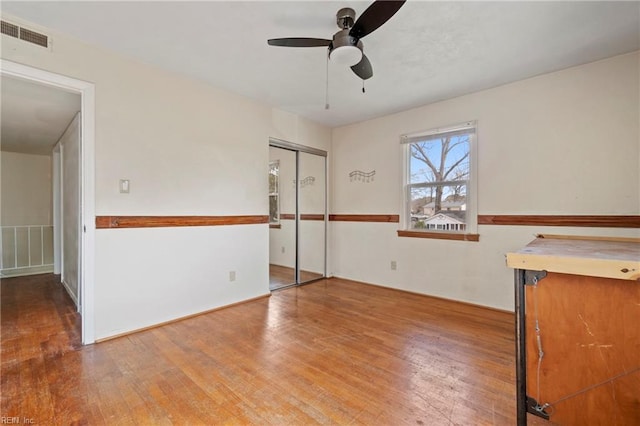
(276,193)
(472,184)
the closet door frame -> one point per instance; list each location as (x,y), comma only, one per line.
(297,148)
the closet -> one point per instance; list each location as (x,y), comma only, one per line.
(297,214)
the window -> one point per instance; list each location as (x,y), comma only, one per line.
(274,192)
(438,180)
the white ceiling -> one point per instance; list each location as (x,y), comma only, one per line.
(427,52)
(33,116)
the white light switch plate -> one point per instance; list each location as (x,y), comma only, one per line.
(124,186)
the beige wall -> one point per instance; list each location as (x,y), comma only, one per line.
(565,143)
(562,143)
(187,149)
(26,189)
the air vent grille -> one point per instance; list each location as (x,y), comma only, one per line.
(25,34)
(10,29)
(34,37)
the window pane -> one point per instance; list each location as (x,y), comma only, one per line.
(439,160)
(439,207)
(274,169)
(438,178)
(273,209)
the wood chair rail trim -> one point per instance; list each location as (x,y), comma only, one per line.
(108,222)
(304,216)
(589,221)
(387,218)
(622,221)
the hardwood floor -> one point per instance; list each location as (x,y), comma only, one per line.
(281,276)
(332,352)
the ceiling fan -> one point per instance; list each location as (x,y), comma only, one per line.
(346,47)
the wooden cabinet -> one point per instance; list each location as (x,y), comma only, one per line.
(578,330)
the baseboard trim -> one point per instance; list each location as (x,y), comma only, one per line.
(415,293)
(73,297)
(186,317)
(26,271)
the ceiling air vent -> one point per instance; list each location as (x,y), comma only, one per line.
(25,34)
(10,29)
(34,37)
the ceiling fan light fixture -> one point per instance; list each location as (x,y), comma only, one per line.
(346,47)
(346,55)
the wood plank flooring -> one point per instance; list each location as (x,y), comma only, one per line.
(282,276)
(332,352)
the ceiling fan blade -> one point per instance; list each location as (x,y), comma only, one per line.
(298,42)
(374,16)
(363,68)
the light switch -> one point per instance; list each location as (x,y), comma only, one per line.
(124,186)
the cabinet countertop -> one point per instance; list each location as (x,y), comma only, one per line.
(590,256)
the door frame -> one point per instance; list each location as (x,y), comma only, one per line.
(86,265)
(58,194)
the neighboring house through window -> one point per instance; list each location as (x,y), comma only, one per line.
(438,179)
(274,192)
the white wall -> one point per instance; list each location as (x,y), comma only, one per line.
(26,189)
(565,143)
(187,149)
(70,203)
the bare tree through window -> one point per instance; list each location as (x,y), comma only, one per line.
(438,179)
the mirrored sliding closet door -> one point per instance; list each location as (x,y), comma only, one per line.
(297,214)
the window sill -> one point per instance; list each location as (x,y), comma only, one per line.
(439,235)
(275,226)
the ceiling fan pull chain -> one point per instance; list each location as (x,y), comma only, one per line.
(362,86)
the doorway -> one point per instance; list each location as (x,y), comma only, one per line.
(297,214)
(85,199)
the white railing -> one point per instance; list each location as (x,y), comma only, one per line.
(26,249)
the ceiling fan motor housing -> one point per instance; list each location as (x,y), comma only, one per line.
(342,38)
(345,18)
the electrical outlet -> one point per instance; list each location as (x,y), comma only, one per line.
(394,265)
(232,275)
(282,249)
